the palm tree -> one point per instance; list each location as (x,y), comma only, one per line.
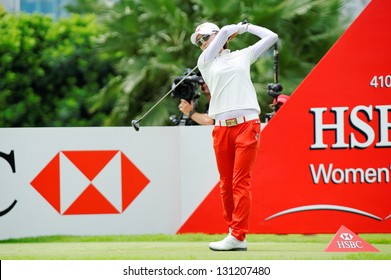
(150,40)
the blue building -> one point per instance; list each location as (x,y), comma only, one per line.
(54,8)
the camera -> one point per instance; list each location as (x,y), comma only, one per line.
(188,89)
(274,89)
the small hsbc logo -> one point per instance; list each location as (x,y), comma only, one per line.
(90,182)
(347,241)
(346,236)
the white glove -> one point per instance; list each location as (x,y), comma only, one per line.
(242,28)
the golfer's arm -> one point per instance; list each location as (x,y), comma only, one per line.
(268,38)
(218,42)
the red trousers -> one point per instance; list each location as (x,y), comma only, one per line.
(236,149)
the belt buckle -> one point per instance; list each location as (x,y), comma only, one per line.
(231,122)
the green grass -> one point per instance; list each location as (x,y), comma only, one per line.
(184,247)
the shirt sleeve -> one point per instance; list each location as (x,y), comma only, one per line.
(268,38)
(218,42)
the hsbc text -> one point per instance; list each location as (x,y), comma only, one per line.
(359,120)
(349,244)
(10,159)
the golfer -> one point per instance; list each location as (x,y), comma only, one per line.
(235,109)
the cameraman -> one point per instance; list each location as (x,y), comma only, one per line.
(187,109)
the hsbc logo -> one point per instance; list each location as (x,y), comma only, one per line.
(348,242)
(90,182)
(346,236)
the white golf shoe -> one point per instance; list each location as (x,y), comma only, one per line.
(229,243)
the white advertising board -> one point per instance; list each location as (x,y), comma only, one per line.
(108,180)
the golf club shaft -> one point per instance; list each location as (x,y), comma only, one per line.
(171,90)
(275,54)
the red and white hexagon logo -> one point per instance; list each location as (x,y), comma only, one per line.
(346,236)
(90,182)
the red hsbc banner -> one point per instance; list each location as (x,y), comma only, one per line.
(325,158)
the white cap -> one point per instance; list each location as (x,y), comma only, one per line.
(206,28)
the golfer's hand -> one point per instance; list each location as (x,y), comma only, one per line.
(185,107)
(242,28)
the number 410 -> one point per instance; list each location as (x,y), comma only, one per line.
(381,81)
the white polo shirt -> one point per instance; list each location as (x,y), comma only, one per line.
(228,79)
(227,73)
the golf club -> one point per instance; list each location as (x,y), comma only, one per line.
(274,89)
(135,123)
(275,65)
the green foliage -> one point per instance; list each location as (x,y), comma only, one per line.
(60,73)
(150,39)
(50,71)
